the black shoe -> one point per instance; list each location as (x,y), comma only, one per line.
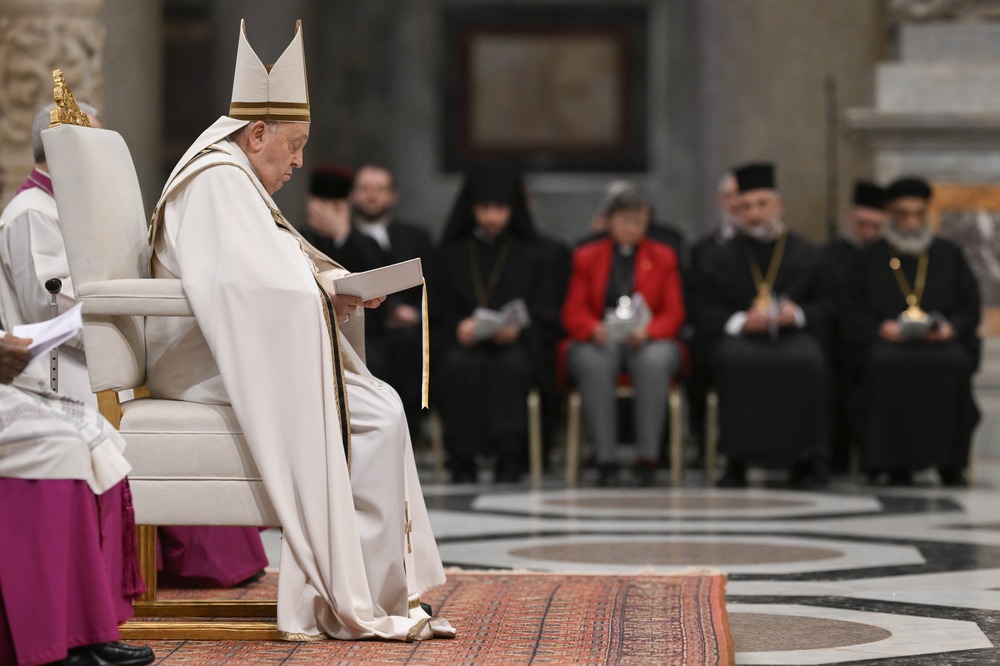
(607,474)
(427,608)
(507,472)
(464,472)
(953,477)
(645,473)
(246,582)
(806,476)
(117,653)
(735,475)
(900,477)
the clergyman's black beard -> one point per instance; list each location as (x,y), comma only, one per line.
(366,217)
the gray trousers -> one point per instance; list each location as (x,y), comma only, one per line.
(595,370)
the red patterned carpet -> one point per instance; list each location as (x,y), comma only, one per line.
(522,618)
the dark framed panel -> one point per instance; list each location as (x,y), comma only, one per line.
(545,88)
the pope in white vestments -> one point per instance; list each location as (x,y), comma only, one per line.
(329,439)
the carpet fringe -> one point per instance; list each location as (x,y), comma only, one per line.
(686,571)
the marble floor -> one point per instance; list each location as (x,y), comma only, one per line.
(852,574)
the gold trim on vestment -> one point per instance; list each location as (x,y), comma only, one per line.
(417,629)
(414,603)
(302,638)
(280,111)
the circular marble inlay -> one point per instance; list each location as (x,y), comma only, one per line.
(760,632)
(653,553)
(676,502)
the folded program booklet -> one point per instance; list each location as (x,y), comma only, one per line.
(381,281)
(49,334)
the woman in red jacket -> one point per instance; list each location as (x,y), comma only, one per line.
(610,332)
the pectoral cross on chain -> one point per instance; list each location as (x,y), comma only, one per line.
(408,525)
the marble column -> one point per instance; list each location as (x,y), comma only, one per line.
(37,36)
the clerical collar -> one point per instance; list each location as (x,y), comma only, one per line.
(377,229)
(37,179)
(625,250)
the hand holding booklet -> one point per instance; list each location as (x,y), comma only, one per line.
(381,281)
(488,322)
(47,335)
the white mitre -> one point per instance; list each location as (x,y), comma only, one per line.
(278,92)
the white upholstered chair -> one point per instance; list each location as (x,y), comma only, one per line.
(191,465)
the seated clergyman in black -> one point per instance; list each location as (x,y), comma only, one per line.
(866,218)
(913,309)
(767,299)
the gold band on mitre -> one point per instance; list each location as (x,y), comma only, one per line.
(66,110)
(285,112)
(277,92)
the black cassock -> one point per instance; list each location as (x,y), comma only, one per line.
(393,354)
(842,255)
(773,392)
(481,391)
(914,408)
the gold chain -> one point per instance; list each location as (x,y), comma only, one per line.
(914,294)
(485,292)
(765,284)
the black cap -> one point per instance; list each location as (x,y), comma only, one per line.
(495,185)
(908,186)
(331,181)
(868,195)
(755,176)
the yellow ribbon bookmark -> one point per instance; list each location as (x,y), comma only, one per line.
(426,371)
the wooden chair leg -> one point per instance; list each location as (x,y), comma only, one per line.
(711,435)
(535,437)
(676,438)
(146,536)
(573,403)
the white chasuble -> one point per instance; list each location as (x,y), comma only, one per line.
(331,442)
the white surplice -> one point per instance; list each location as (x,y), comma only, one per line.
(49,436)
(260,340)
(31,252)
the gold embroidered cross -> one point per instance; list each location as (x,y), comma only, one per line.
(408,525)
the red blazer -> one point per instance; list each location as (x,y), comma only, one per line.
(657,278)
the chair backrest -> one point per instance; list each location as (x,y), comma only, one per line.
(104,228)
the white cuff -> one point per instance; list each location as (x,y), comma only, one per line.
(734,325)
(800,317)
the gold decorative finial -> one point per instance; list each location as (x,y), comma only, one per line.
(66,111)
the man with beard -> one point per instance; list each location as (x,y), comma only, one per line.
(766,302)
(370,238)
(913,311)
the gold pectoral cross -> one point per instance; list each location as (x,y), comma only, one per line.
(408,526)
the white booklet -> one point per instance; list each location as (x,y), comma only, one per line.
(488,322)
(381,281)
(47,335)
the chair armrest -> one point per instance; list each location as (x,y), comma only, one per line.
(134,297)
